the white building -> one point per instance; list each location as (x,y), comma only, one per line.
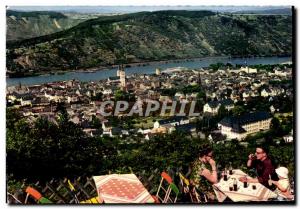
(248,70)
(282,73)
(288,139)
(107,92)
(240,127)
(173,121)
(266,93)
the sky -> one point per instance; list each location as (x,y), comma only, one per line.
(129,9)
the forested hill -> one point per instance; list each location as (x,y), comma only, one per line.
(149,36)
(22,25)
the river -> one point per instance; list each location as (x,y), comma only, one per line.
(148,69)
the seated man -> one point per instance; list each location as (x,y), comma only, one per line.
(204,173)
(264,168)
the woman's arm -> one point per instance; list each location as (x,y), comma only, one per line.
(282,188)
(212,176)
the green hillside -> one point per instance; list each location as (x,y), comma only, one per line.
(24,25)
(150,36)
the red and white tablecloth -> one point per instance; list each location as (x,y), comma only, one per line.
(122,188)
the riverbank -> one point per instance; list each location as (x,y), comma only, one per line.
(96,74)
(98,68)
(128,65)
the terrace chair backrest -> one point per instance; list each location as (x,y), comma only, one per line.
(34,193)
(172,195)
(184,181)
(37,196)
(194,195)
(164,187)
(94,200)
(44,200)
(166,176)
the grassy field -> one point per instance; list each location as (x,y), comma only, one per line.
(145,123)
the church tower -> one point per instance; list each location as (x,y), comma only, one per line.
(199,80)
(157,71)
(122,76)
(118,71)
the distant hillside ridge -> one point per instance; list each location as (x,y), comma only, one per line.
(152,36)
(24,25)
(283,11)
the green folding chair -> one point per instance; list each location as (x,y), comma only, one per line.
(172,194)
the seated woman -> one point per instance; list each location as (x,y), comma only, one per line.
(203,173)
(283,185)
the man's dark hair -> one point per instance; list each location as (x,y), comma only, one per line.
(205,151)
(264,148)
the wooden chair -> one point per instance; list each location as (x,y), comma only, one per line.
(172,194)
(194,195)
(163,190)
(14,198)
(36,196)
(94,200)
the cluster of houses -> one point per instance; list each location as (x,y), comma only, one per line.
(240,85)
(223,87)
(213,107)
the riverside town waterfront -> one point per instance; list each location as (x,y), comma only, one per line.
(148,69)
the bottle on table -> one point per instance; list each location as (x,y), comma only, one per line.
(235,184)
(225,175)
(245,182)
(230,169)
(230,186)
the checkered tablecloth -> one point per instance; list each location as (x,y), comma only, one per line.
(122,188)
(261,193)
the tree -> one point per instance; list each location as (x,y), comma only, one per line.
(216,66)
(124,96)
(168,92)
(275,124)
(96,123)
(191,89)
(44,150)
(228,64)
(275,127)
(222,112)
(201,100)
(128,123)
(63,114)
(98,97)
(12,116)
(238,110)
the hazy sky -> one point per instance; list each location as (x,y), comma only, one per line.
(129,9)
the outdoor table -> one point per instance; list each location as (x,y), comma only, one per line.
(122,188)
(261,193)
